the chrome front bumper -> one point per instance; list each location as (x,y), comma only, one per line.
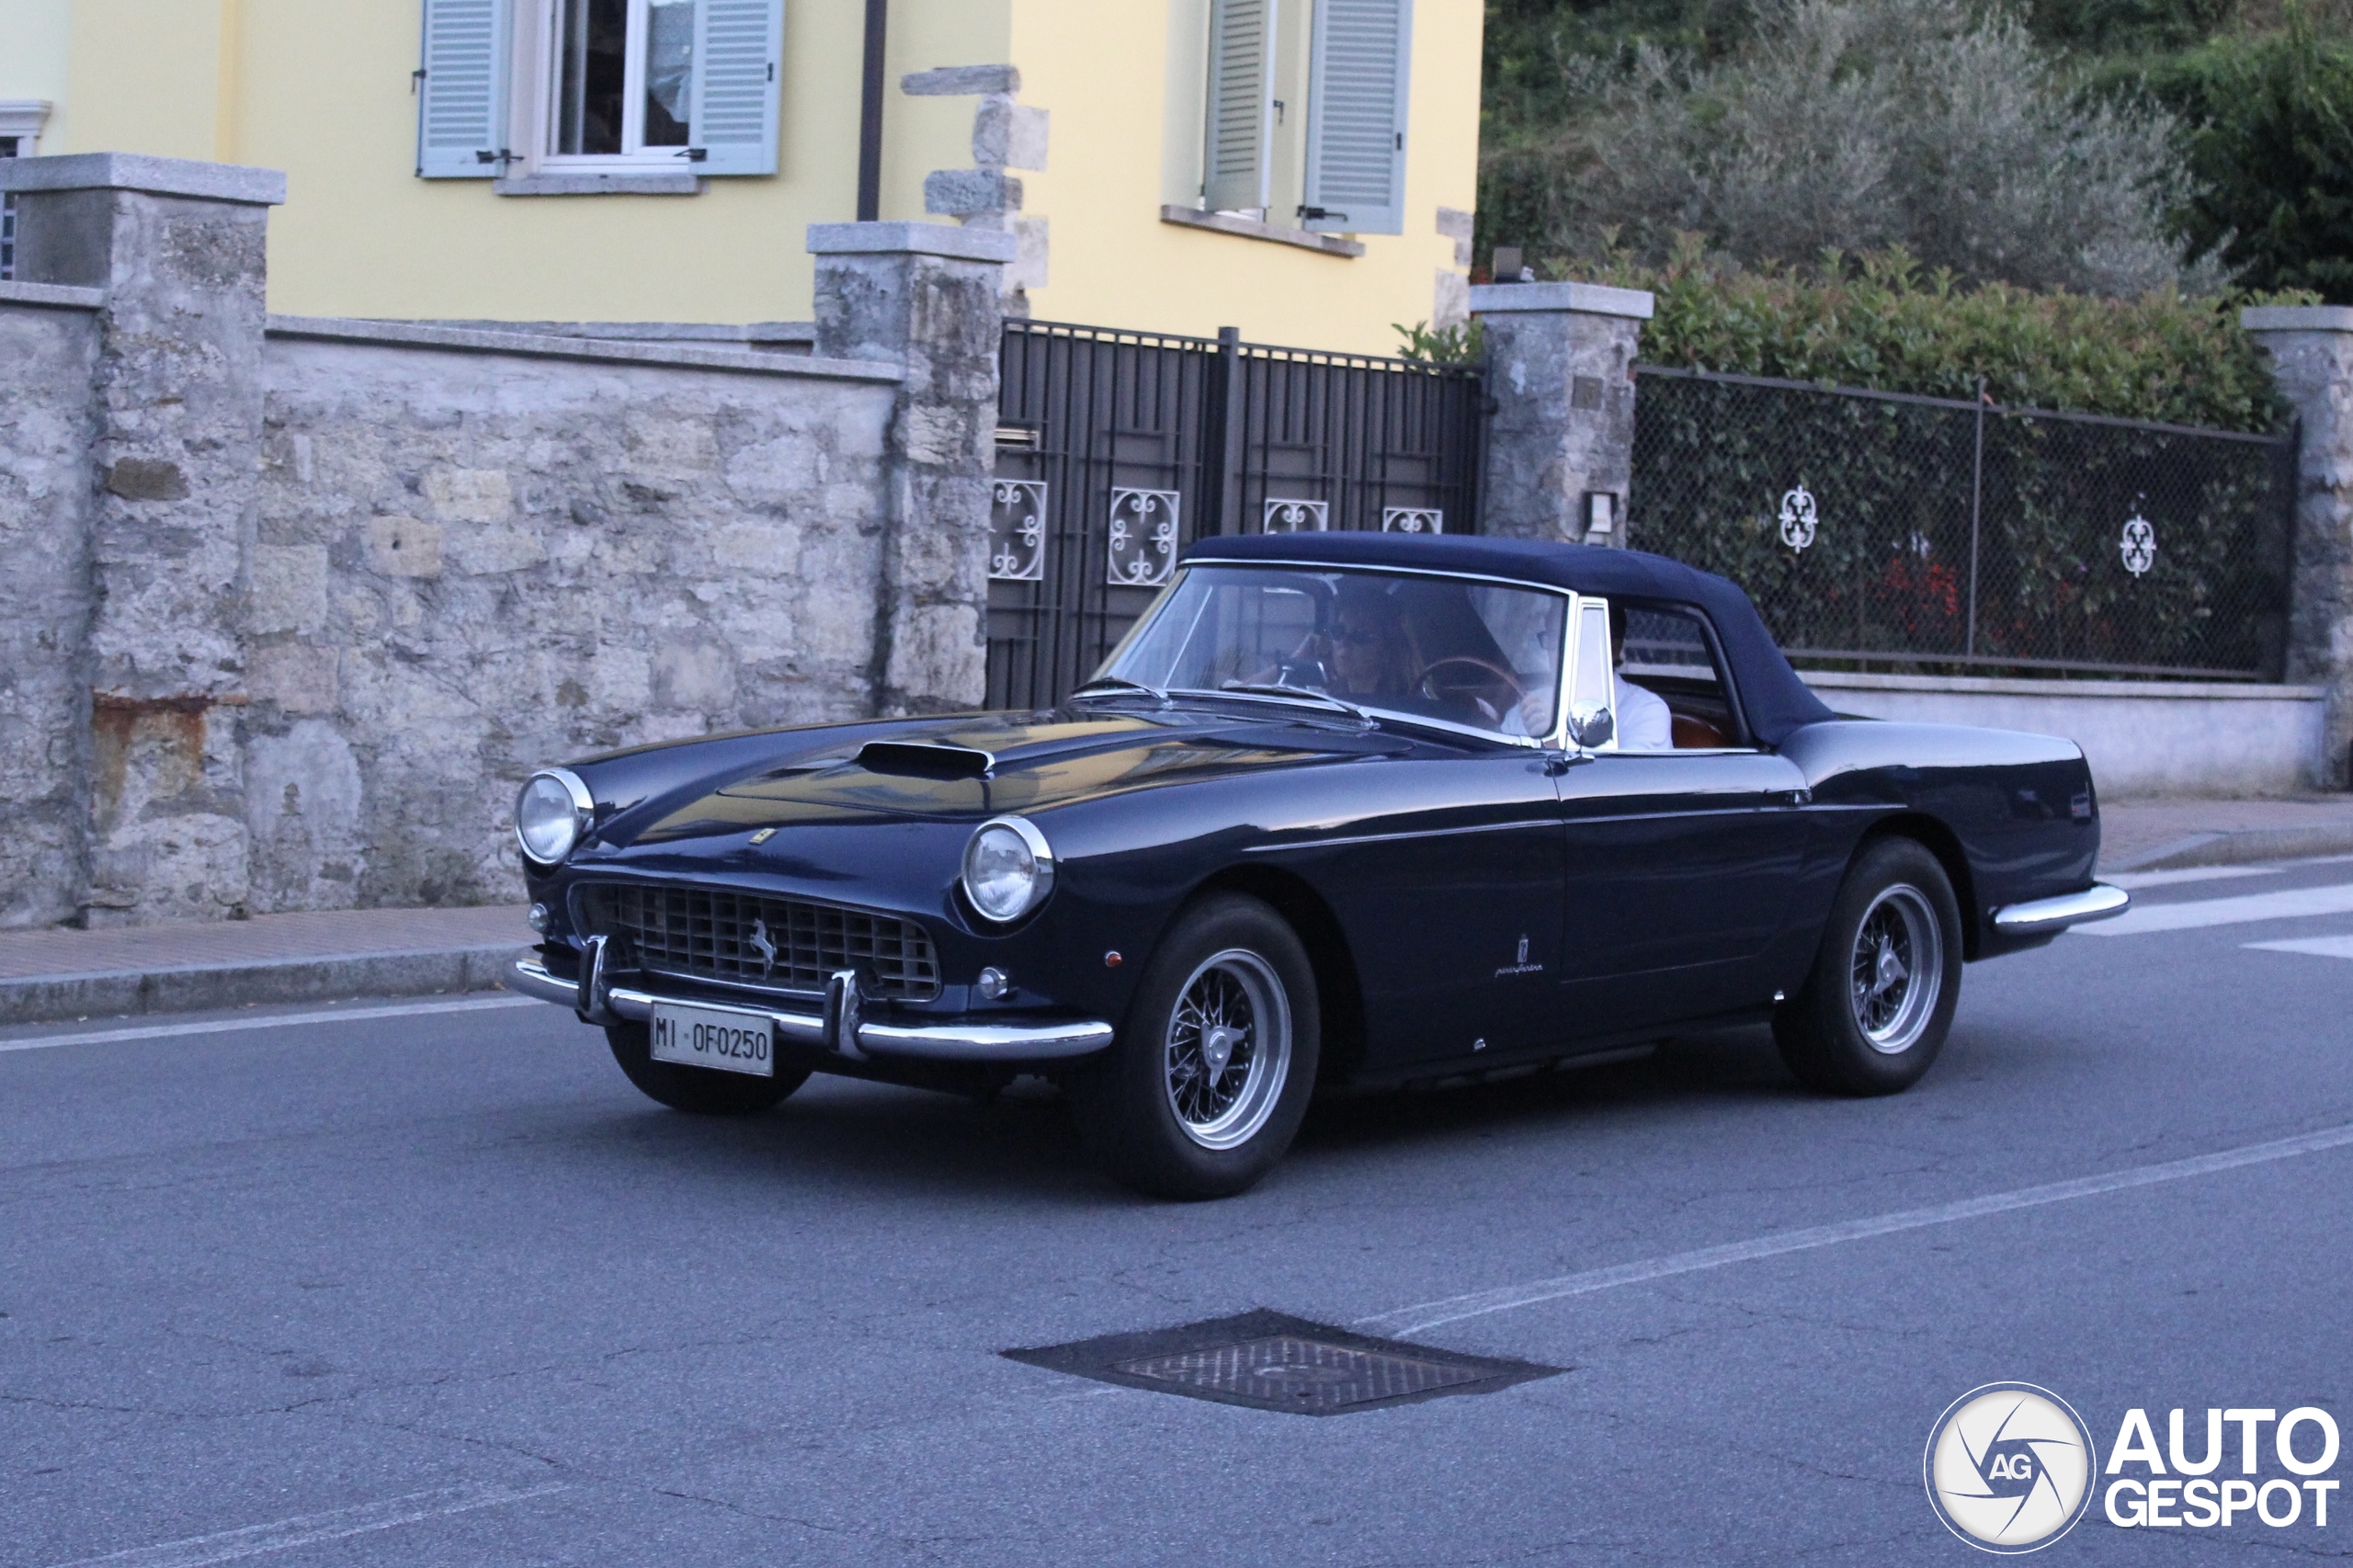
(2097,901)
(841,1029)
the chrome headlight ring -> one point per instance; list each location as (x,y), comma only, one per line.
(553,809)
(1009,869)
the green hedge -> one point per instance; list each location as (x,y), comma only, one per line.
(1880,321)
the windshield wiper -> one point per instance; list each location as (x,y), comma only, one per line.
(1277,689)
(1108,684)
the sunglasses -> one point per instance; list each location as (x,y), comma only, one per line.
(1357,636)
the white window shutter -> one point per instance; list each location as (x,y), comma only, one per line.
(1355,115)
(1239,156)
(739,55)
(461,90)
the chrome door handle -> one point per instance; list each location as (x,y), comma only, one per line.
(1798,797)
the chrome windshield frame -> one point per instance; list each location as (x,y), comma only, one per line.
(1553,740)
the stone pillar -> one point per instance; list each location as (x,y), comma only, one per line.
(2312,356)
(1006,134)
(1560,371)
(925,296)
(177,248)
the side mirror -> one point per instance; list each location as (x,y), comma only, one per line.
(1590,724)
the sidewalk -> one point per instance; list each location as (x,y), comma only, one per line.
(2160,835)
(57,974)
(54,973)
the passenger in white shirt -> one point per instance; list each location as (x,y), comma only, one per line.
(1645,721)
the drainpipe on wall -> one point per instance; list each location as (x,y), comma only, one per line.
(869,117)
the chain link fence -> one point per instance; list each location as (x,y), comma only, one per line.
(1916,533)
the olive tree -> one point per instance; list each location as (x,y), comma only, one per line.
(1859,124)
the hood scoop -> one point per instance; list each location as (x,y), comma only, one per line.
(925,759)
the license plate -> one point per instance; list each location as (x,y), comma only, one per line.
(719,1037)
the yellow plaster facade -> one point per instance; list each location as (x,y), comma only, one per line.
(324,92)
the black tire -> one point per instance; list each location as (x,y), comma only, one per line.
(696,1089)
(1206,1032)
(1867,1022)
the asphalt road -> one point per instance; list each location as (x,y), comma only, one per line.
(438,1287)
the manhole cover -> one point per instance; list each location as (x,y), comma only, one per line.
(1273,1362)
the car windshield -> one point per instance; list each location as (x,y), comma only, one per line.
(1485,656)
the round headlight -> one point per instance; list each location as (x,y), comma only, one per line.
(551,815)
(1009,869)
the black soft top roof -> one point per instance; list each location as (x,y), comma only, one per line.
(1776,703)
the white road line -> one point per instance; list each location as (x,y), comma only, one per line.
(1454,1308)
(2294,903)
(2129,881)
(268,1022)
(2323,947)
(305,1529)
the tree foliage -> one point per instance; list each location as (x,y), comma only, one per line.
(1859,124)
(2272,154)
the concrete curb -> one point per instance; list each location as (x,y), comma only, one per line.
(2245,847)
(45,998)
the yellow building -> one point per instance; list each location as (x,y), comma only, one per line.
(1303,169)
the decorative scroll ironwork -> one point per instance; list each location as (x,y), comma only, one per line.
(1798,519)
(2139,545)
(1412,520)
(1280,516)
(1143,538)
(1017,530)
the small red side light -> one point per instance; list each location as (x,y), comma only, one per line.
(1111,960)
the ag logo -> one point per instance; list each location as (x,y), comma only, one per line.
(2010,1467)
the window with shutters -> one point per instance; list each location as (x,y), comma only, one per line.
(590,88)
(1305,120)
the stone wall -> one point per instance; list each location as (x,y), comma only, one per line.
(49,342)
(470,563)
(292,606)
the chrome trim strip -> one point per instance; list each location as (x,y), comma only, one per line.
(2097,901)
(987,1042)
(954,1042)
(1193,561)
(525,975)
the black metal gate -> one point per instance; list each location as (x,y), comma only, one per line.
(1115,450)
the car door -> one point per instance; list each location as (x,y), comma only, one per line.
(1444,872)
(1677,865)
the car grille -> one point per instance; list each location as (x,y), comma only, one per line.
(705,934)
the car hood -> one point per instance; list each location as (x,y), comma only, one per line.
(976,766)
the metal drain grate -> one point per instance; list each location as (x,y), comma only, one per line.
(1269,1361)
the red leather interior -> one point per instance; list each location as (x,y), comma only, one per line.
(1696,734)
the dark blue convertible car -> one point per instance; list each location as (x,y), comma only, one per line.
(1341,810)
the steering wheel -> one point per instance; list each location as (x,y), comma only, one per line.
(1456,690)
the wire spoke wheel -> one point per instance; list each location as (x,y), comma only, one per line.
(1896,970)
(1228,1049)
